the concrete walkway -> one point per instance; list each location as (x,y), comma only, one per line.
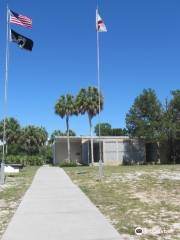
(54,208)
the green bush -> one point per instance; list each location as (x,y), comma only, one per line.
(47,154)
(68,164)
(15,159)
(25,160)
(35,161)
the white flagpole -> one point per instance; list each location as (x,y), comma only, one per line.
(5,98)
(99,89)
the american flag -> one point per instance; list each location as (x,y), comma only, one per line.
(20,20)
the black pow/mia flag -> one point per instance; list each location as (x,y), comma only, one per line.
(22,41)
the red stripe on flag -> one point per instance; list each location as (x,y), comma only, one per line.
(21,20)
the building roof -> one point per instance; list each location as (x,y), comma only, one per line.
(80,138)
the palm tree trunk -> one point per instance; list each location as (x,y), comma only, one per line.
(92,150)
(68,141)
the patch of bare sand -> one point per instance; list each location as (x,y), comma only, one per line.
(135,176)
(126,176)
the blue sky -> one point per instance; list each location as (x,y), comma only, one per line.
(140,50)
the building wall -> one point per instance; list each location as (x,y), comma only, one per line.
(117,152)
(61,153)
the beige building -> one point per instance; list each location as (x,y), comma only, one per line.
(115,150)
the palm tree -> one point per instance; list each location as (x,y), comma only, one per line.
(12,135)
(12,130)
(66,107)
(32,139)
(88,102)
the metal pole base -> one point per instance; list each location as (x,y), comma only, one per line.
(2,176)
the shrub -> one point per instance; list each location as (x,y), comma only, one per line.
(47,154)
(25,160)
(68,164)
(34,161)
(14,159)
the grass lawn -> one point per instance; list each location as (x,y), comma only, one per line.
(12,192)
(132,196)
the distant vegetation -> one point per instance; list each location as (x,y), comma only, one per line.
(25,145)
(57,133)
(158,124)
(107,130)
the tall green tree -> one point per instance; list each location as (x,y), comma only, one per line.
(105,129)
(144,117)
(175,109)
(170,126)
(88,102)
(33,139)
(144,121)
(13,130)
(66,107)
(119,132)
